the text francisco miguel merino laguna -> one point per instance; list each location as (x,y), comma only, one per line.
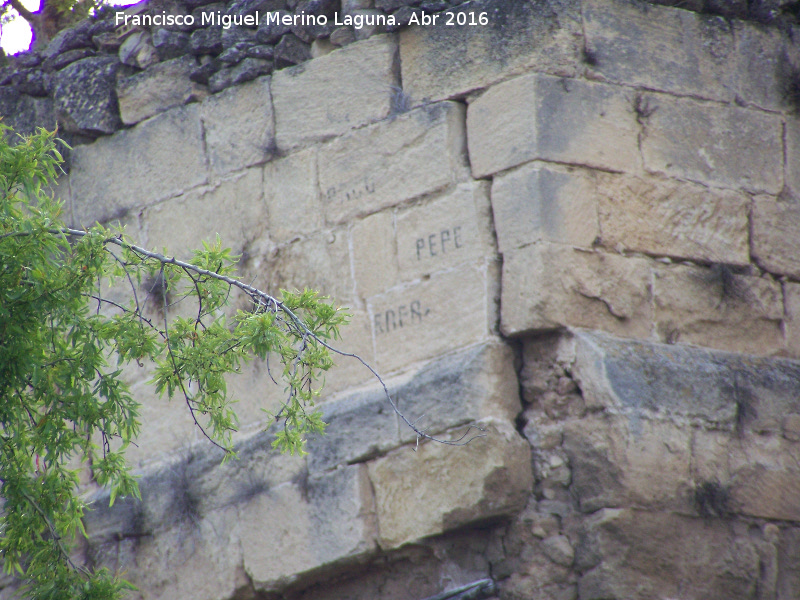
(270,18)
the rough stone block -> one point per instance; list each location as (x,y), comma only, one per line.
(776,227)
(793,154)
(163,86)
(292,196)
(374,253)
(725,146)
(417,153)
(544,203)
(715,307)
(768,66)
(285,534)
(447,311)
(334,93)
(181,224)
(239,126)
(791,300)
(85,96)
(445,232)
(159,158)
(639,555)
(547,286)
(356,338)
(442,61)
(660,48)
(439,488)
(549,118)
(672,218)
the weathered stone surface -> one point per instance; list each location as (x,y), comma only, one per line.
(290,51)
(24,113)
(544,203)
(776,227)
(160,87)
(703,142)
(374,253)
(791,300)
(85,96)
(239,127)
(718,308)
(170,44)
(441,61)
(270,32)
(247,70)
(667,217)
(439,488)
(768,66)
(292,195)
(547,286)
(661,48)
(285,533)
(640,555)
(207,40)
(67,39)
(138,51)
(428,318)
(379,166)
(445,232)
(157,159)
(330,80)
(792,167)
(56,63)
(564,120)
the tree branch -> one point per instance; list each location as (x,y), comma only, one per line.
(23,12)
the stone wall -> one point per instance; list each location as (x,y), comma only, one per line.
(575,226)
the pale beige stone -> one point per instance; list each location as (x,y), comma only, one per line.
(439,488)
(292,196)
(233,210)
(445,232)
(158,158)
(768,60)
(660,48)
(331,94)
(442,61)
(417,153)
(356,338)
(793,154)
(538,202)
(667,217)
(374,253)
(791,299)
(776,229)
(564,120)
(547,286)
(450,310)
(717,308)
(791,427)
(160,87)
(725,146)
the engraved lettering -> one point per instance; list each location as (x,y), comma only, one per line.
(432,243)
(400,312)
(445,237)
(393,321)
(420,246)
(378,323)
(415,311)
(456,236)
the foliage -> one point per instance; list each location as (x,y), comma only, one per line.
(63,348)
(51,17)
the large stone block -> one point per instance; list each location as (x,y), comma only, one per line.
(549,118)
(442,61)
(793,154)
(447,311)
(85,96)
(331,94)
(776,227)
(379,166)
(292,196)
(157,159)
(791,300)
(660,48)
(547,286)
(239,126)
(445,232)
(725,146)
(718,308)
(356,338)
(160,87)
(544,203)
(374,253)
(439,488)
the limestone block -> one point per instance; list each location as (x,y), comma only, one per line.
(442,61)
(160,87)
(445,232)
(564,120)
(776,227)
(284,534)
(239,126)
(356,338)
(791,299)
(233,209)
(661,48)
(725,146)
(292,196)
(439,488)
(768,63)
(450,310)
(334,93)
(717,308)
(374,253)
(544,203)
(416,153)
(793,154)
(547,286)
(157,159)
(639,555)
(85,97)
